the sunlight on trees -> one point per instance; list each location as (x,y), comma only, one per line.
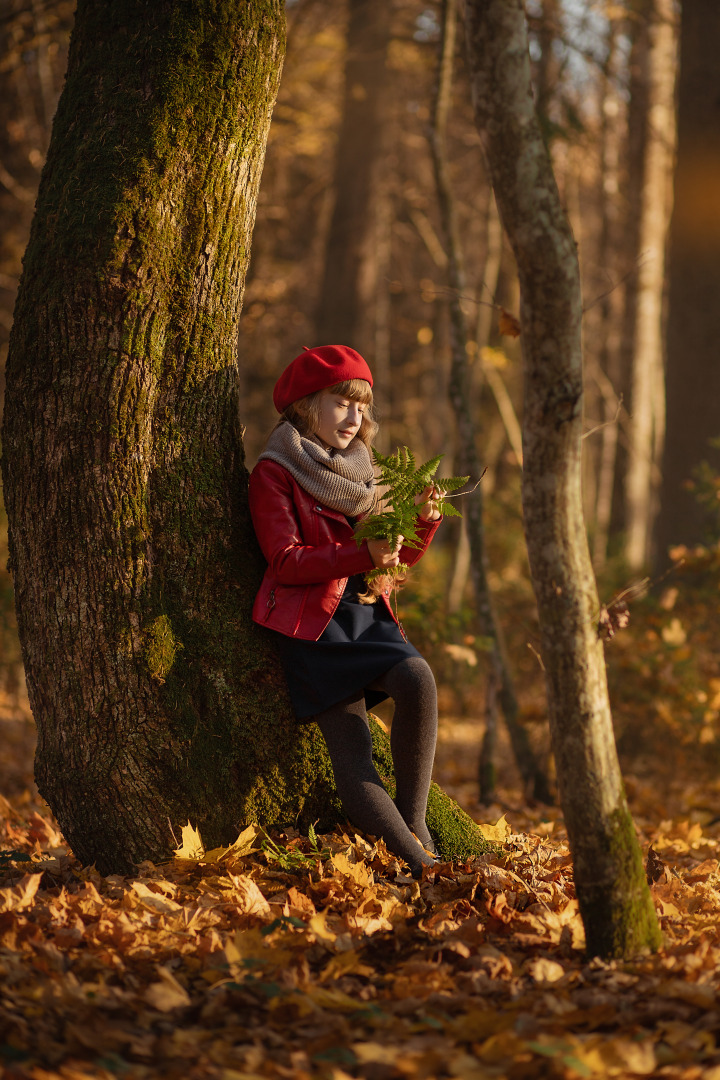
(336,964)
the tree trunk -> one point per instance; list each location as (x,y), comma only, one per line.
(466,459)
(647,404)
(134,560)
(121,424)
(347,299)
(604,323)
(613,894)
(693,371)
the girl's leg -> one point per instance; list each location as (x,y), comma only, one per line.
(365,800)
(412,738)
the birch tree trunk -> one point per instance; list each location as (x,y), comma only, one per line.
(647,402)
(612,891)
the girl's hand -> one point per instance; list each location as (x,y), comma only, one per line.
(383,555)
(427,501)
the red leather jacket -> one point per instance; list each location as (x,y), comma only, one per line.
(311,552)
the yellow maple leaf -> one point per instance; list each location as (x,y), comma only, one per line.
(192,846)
(358,872)
(153,901)
(244,845)
(497,833)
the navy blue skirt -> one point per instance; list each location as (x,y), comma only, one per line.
(359,644)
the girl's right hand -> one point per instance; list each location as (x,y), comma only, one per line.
(382,555)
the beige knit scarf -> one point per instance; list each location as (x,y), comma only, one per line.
(340,479)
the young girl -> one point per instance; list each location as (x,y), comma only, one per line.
(341,648)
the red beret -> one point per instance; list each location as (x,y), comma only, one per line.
(318,369)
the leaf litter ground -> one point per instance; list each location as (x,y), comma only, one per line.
(288,958)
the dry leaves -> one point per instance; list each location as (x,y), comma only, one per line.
(225,965)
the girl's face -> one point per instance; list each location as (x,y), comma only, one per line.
(340,420)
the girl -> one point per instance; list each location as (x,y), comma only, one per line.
(341,647)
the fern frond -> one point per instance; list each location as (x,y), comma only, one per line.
(404,481)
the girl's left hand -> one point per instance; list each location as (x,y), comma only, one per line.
(427,501)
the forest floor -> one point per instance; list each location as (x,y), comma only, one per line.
(281,960)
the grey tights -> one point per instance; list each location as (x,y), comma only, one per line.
(412,741)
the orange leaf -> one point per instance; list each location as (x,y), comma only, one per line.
(508,325)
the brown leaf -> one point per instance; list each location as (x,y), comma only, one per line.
(20,896)
(167,994)
(508,325)
(654,866)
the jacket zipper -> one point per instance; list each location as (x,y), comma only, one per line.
(300,612)
(270,604)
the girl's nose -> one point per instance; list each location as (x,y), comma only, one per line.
(355,415)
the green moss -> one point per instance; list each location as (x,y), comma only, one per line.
(161,648)
(616,907)
(455,833)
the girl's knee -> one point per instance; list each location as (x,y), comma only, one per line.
(411,677)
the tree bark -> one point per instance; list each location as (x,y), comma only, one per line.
(122,459)
(346,305)
(693,372)
(604,324)
(467,461)
(612,891)
(647,403)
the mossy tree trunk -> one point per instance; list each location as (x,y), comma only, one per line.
(134,561)
(614,898)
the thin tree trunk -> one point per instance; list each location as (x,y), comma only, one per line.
(613,894)
(346,304)
(648,388)
(487,289)
(467,460)
(488,286)
(606,371)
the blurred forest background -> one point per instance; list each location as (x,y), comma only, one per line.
(349,247)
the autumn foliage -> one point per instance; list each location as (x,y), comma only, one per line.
(293,957)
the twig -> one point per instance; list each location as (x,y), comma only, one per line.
(460,296)
(536,654)
(633,270)
(459,493)
(606,423)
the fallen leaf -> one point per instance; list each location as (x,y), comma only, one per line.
(20,896)
(498,832)
(167,994)
(358,871)
(192,846)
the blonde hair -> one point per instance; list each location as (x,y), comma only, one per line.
(304,414)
